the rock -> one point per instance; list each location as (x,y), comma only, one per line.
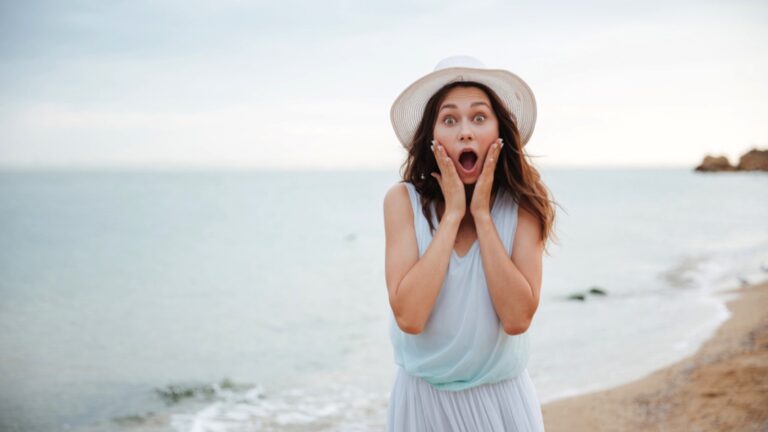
(754,160)
(597,291)
(579,297)
(173,393)
(715,163)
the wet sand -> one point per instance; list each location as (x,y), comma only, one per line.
(722,387)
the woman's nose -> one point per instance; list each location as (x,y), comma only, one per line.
(465,133)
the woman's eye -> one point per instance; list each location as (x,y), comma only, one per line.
(449,120)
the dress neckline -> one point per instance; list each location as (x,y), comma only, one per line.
(475,243)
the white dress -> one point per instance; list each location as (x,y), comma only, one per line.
(463,372)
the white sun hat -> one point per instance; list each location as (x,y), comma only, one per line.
(408,108)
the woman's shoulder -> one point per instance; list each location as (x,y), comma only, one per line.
(397,198)
(399,188)
(398,212)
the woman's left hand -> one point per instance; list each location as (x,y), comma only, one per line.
(481,196)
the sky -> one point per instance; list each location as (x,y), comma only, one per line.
(309,85)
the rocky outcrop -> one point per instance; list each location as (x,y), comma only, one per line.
(754,160)
(715,163)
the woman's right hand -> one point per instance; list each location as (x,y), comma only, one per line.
(450,183)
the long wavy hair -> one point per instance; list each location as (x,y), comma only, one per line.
(514,173)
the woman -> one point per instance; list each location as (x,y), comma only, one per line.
(462,297)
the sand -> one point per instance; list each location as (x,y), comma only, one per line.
(722,387)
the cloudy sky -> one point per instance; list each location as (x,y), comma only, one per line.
(307,84)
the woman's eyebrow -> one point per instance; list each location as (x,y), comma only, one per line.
(454,106)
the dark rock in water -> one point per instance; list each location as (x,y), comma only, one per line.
(227,383)
(754,160)
(715,163)
(597,291)
(583,296)
(130,420)
(174,393)
(146,421)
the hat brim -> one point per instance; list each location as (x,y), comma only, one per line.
(408,108)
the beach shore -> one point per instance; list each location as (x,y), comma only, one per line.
(722,387)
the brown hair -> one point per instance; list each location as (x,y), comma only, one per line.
(513,171)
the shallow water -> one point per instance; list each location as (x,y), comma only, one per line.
(117,284)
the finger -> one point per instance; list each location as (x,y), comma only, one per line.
(436,153)
(448,163)
(496,147)
(490,162)
(443,160)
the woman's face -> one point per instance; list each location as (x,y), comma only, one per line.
(466,127)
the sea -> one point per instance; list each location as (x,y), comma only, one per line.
(255,300)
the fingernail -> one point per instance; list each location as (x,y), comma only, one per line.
(433,142)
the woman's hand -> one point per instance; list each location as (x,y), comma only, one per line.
(450,183)
(481,196)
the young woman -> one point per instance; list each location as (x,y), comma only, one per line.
(465,232)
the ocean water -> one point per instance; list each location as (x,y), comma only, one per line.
(256,300)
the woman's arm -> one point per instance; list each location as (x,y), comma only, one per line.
(414,283)
(514,284)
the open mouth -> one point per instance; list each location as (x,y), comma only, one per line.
(468,160)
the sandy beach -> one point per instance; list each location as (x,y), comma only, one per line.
(722,387)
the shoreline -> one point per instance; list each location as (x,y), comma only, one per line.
(722,386)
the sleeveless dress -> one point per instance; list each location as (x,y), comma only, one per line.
(463,372)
